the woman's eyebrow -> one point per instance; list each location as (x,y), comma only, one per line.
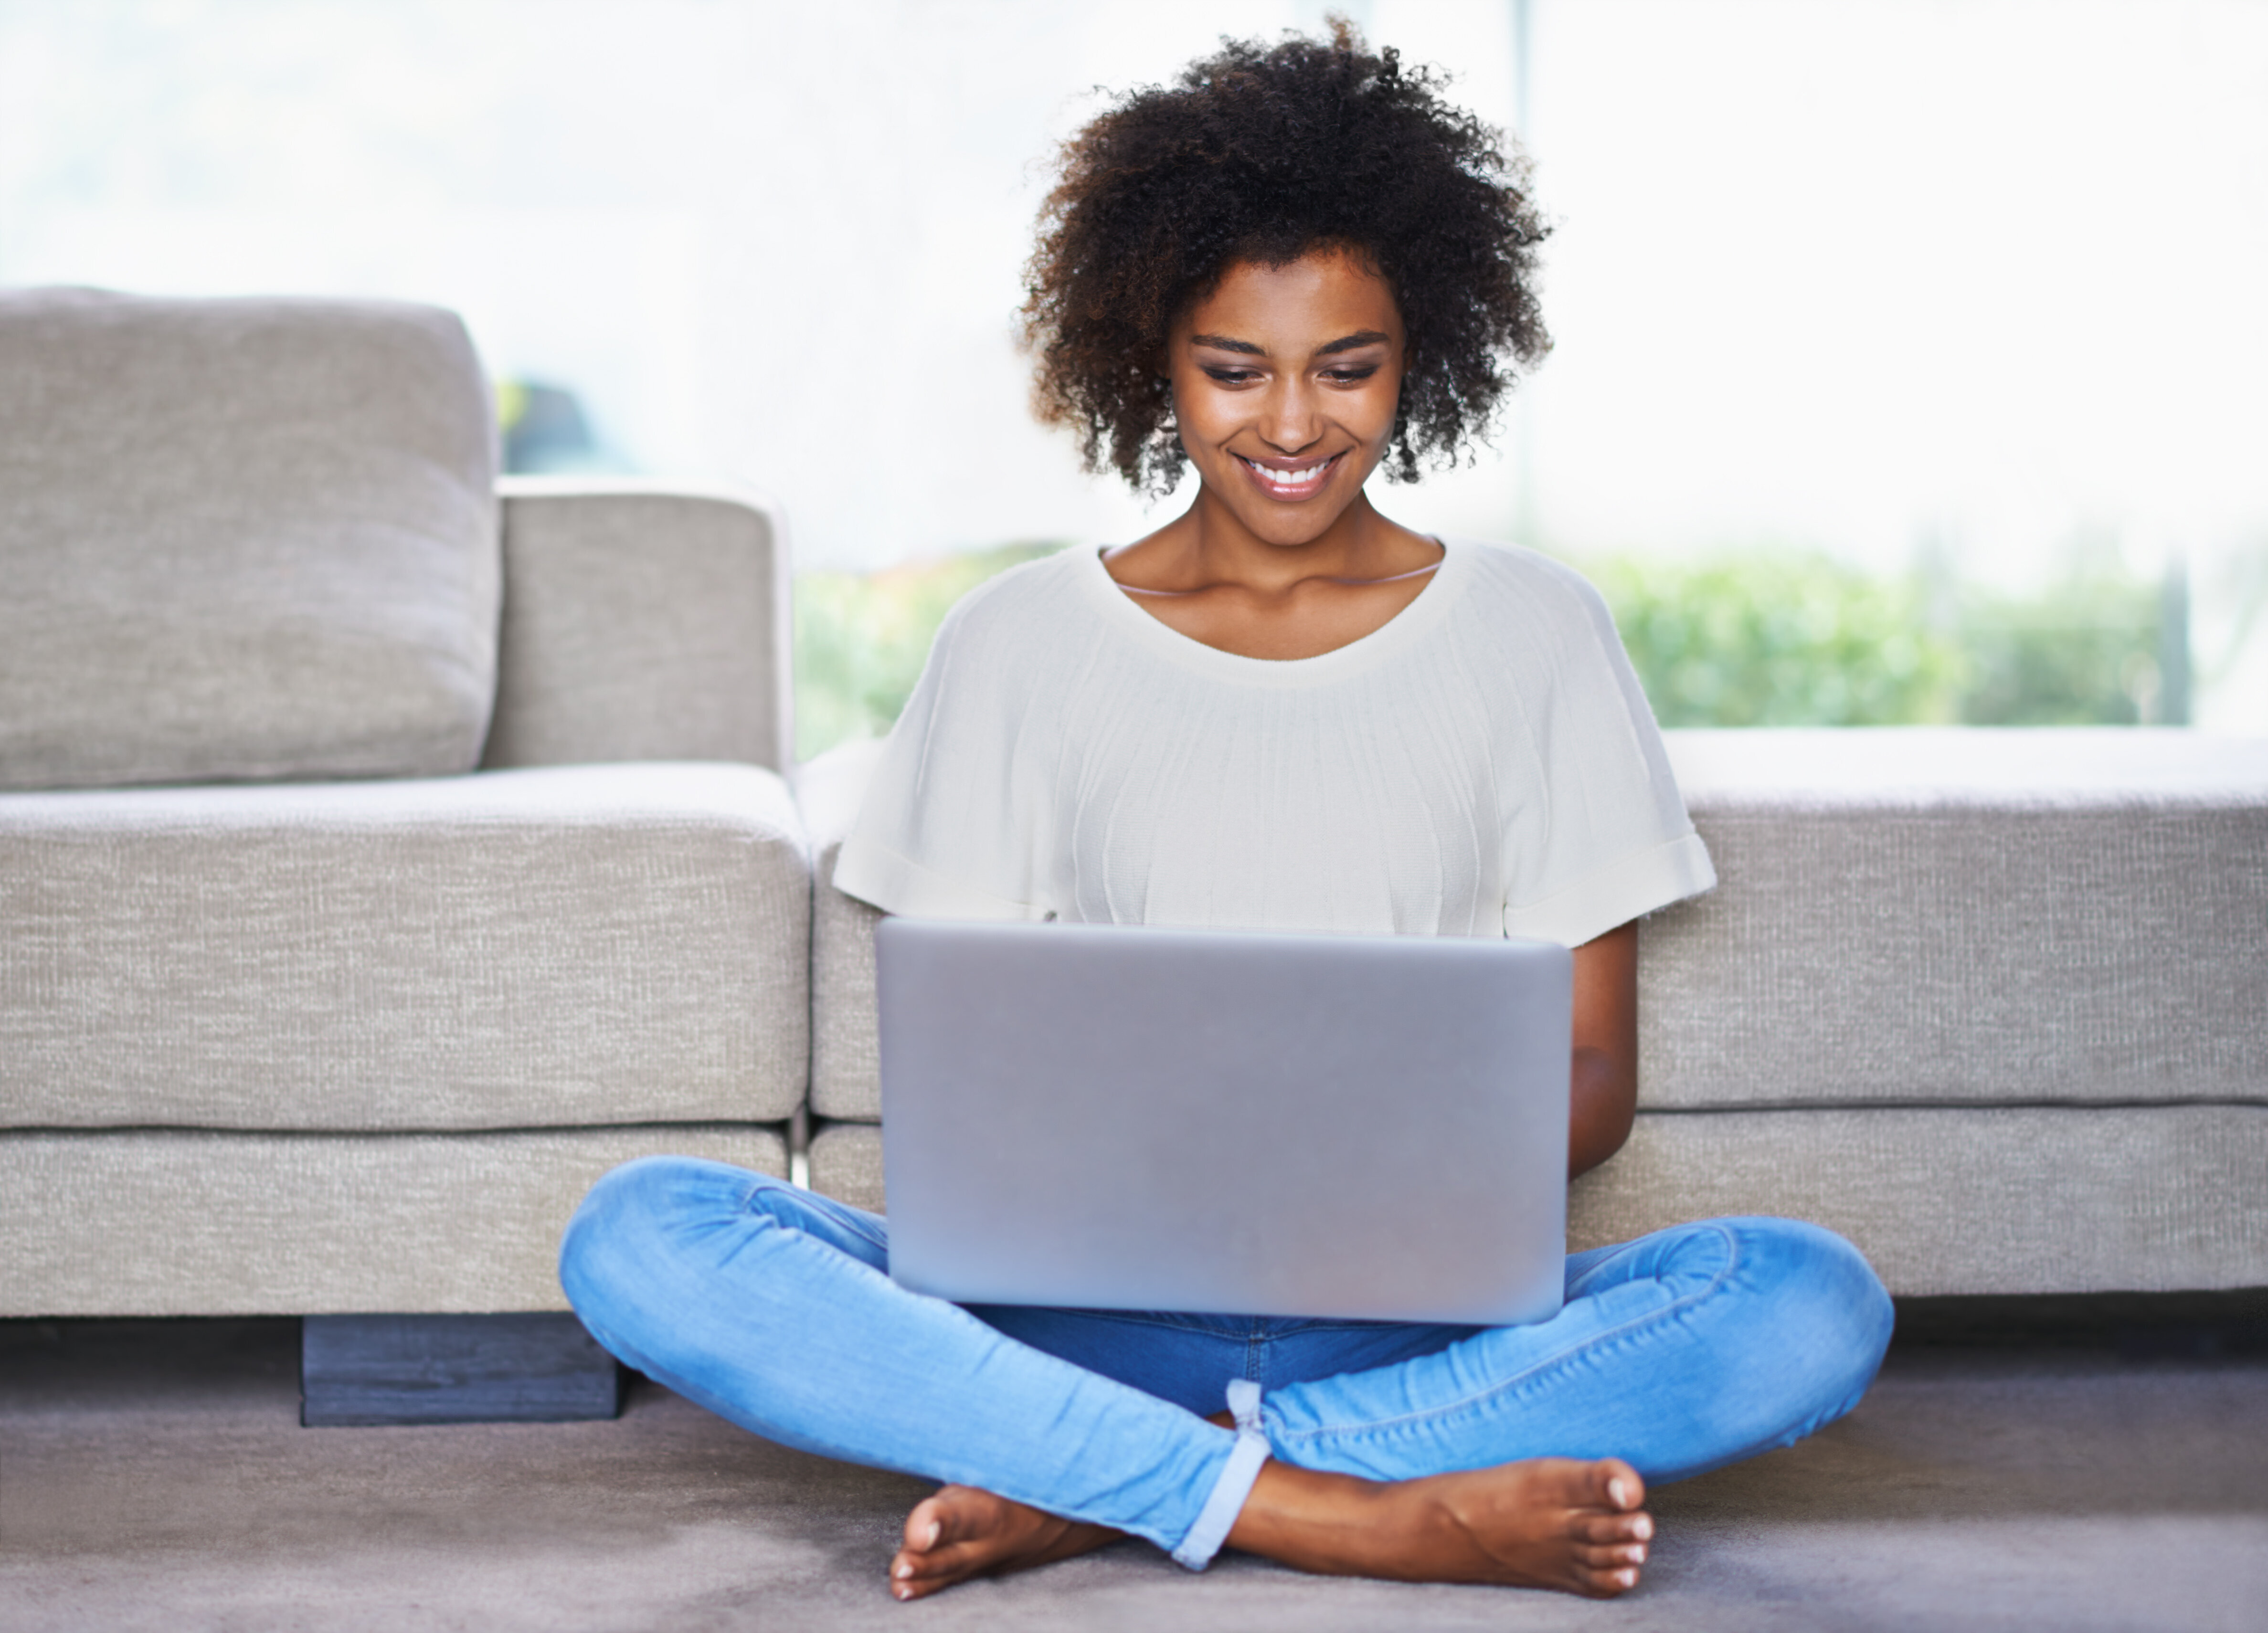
(1344,342)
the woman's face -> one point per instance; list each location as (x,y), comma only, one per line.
(1286,381)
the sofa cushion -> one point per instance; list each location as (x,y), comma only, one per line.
(242,539)
(2013,1199)
(1941,917)
(2005,1199)
(172,1222)
(515,949)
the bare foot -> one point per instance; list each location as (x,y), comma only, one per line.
(960,1532)
(1550,1522)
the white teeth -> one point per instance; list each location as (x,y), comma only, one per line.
(1288,479)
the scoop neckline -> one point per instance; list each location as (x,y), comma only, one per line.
(1424,610)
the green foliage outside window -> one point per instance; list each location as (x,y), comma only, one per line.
(2086,650)
(1759,636)
(1770,638)
(861,639)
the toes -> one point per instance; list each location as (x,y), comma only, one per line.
(950,1560)
(1594,1556)
(910,1576)
(1606,1584)
(960,1532)
(1607,1484)
(925,1525)
(913,1575)
(920,1587)
(1617,1484)
(933,1556)
(949,1514)
(1591,1526)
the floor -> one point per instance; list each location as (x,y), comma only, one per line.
(2061,1473)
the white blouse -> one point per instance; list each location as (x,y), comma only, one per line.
(1485,763)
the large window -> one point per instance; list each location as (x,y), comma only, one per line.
(1909,355)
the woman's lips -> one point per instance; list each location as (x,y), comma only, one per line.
(1300,482)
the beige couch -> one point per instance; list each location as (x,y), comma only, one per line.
(381,861)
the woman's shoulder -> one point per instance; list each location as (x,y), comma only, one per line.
(1039,593)
(1514,568)
(1513,581)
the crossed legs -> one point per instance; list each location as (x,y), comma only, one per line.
(1514,1455)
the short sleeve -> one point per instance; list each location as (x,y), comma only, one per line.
(949,827)
(1605,839)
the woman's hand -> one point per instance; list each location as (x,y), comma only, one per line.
(1604,1088)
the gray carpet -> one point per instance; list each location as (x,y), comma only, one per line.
(153,1476)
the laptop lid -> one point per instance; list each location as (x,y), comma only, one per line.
(1114,1117)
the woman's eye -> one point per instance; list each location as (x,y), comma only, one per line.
(1349,377)
(1233,376)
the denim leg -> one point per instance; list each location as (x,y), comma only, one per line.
(1190,1359)
(771,1307)
(1187,1359)
(1679,1352)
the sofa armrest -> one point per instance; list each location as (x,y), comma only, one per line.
(641,622)
(845,1059)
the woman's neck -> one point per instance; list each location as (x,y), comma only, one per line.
(1225,588)
(1207,547)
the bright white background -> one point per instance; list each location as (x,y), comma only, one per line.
(1977,276)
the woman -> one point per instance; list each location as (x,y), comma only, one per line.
(1280,711)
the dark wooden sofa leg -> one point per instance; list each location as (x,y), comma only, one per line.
(517,1368)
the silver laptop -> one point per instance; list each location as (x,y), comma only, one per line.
(1116,1118)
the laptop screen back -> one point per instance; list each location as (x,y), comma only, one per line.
(1121,1118)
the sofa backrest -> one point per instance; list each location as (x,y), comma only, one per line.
(1949,916)
(241,539)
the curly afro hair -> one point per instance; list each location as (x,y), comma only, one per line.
(1263,154)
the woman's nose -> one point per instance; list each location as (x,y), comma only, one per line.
(1290,421)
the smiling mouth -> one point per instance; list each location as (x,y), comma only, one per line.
(1298,483)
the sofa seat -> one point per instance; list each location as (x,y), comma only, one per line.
(563,947)
(193,1222)
(1968,1200)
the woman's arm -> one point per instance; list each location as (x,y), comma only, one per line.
(1604,1089)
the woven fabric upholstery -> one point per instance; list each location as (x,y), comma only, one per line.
(641,624)
(846,1163)
(2006,1200)
(174,1222)
(241,539)
(519,949)
(2013,1200)
(1950,917)
(845,1058)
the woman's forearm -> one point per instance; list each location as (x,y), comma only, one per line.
(1602,1086)
(1603,1102)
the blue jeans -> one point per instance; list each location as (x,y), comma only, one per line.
(772,1307)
